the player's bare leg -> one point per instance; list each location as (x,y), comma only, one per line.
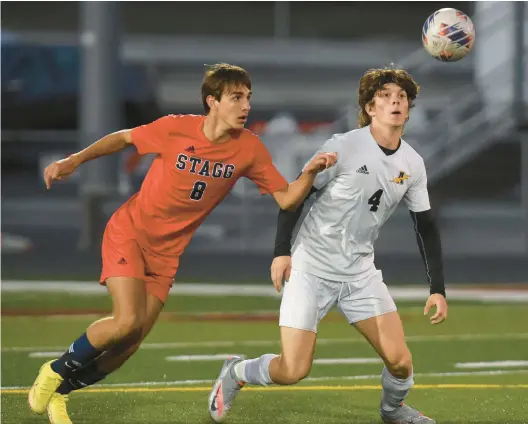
(113,358)
(128,316)
(295,360)
(292,365)
(106,363)
(116,356)
(385,334)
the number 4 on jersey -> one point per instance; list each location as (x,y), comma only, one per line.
(375,200)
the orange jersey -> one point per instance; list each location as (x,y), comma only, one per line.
(189,177)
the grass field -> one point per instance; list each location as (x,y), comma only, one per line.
(152,389)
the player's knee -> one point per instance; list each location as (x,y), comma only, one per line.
(129,328)
(293,373)
(400,365)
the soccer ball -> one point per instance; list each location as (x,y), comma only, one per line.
(448,35)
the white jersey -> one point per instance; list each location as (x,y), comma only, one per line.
(354,199)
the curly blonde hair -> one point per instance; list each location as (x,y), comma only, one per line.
(373,81)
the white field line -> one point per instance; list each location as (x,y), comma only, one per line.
(328,378)
(191,358)
(211,289)
(224,356)
(253,343)
(491,364)
(45,354)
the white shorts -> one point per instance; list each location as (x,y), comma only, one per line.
(307,299)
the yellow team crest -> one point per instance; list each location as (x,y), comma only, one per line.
(400,178)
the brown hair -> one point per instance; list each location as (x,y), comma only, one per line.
(221,77)
(373,81)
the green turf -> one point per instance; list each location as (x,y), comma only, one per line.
(449,406)
(473,332)
(17,301)
(29,301)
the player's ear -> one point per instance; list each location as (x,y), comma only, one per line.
(369,108)
(212,102)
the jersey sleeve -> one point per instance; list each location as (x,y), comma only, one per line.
(417,196)
(332,145)
(263,173)
(152,138)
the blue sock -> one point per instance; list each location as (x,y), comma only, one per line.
(81,378)
(80,354)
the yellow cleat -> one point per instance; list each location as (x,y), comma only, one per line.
(57,412)
(43,388)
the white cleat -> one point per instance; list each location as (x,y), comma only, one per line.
(224,390)
(405,415)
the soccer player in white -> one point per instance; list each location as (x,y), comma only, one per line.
(332,260)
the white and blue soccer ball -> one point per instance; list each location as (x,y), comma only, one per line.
(448,35)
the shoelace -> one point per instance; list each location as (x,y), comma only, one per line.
(48,385)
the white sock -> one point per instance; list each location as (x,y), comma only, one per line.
(255,371)
(395,390)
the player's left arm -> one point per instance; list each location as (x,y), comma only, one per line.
(318,171)
(288,196)
(292,196)
(429,243)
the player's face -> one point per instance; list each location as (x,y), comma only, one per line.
(234,106)
(390,106)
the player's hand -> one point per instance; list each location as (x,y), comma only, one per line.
(59,170)
(441,308)
(321,162)
(280,271)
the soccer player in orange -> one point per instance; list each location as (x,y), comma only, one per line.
(198,160)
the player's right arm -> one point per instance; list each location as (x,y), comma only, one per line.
(110,143)
(147,139)
(287,220)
